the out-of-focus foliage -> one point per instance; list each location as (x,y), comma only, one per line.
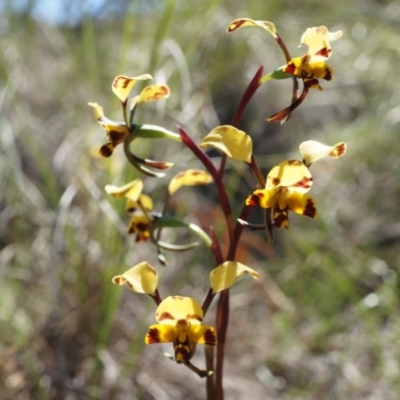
(322,321)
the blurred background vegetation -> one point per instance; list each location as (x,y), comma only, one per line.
(323,320)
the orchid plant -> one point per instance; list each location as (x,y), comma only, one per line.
(285,188)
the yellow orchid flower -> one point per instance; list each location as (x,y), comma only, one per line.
(122,86)
(138,205)
(179,322)
(140,225)
(285,191)
(312,66)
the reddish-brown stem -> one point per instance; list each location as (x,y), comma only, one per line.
(222,165)
(222,321)
(215,247)
(257,172)
(279,116)
(248,94)
(207,301)
(222,193)
(156,297)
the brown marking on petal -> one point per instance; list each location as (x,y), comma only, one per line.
(324,52)
(310,210)
(125,81)
(194,316)
(153,336)
(195,173)
(165,315)
(210,337)
(339,150)
(142,227)
(236,24)
(328,74)
(290,68)
(130,285)
(106,150)
(276,181)
(312,84)
(281,219)
(118,280)
(117,137)
(182,353)
(294,162)
(254,200)
(304,183)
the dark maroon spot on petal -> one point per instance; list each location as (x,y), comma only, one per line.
(310,210)
(182,353)
(142,227)
(324,52)
(253,200)
(328,74)
(281,219)
(194,316)
(117,137)
(276,181)
(165,315)
(305,183)
(340,150)
(210,337)
(153,336)
(290,68)
(236,25)
(106,150)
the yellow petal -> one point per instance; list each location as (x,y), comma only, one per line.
(122,85)
(261,198)
(226,274)
(301,203)
(291,173)
(132,190)
(311,151)
(190,177)
(160,334)
(175,308)
(145,201)
(317,39)
(231,141)
(203,334)
(153,93)
(141,278)
(239,23)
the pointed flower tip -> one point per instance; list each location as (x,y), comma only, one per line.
(134,189)
(241,22)
(311,151)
